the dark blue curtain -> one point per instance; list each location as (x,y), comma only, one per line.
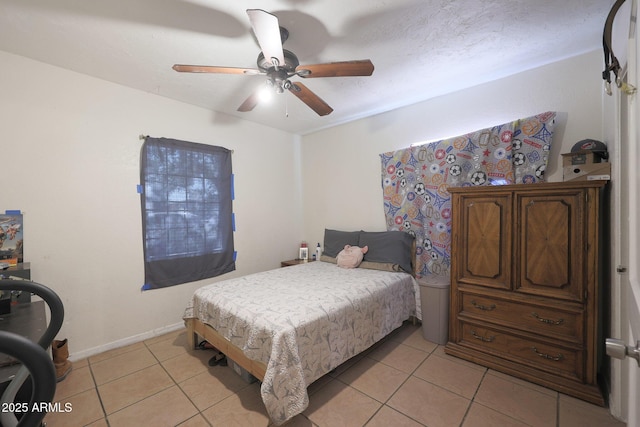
(187,218)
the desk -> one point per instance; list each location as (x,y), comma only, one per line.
(26,319)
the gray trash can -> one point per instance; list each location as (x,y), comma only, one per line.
(434,300)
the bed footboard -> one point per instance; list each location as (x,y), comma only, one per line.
(196,328)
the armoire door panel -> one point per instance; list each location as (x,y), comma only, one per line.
(551,262)
(485,249)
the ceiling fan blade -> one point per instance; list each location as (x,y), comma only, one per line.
(336,69)
(311,99)
(267,31)
(182,68)
(250,103)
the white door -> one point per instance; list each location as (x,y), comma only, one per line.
(633,295)
(625,397)
(630,291)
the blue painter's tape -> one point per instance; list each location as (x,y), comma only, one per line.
(13,212)
(139,188)
(235,255)
(146,287)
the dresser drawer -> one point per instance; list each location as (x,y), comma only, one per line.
(543,320)
(547,357)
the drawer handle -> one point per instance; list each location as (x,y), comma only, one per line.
(481,338)
(557,358)
(548,321)
(483,307)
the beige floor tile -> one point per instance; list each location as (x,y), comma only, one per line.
(412,336)
(78,380)
(386,417)
(429,404)
(398,356)
(524,383)
(211,386)
(406,329)
(167,408)
(197,421)
(441,353)
(121,365)
(133,388)
(79,363)
(187,365)
(577,413)
(374,379)
(99,423)
(298,421)
(116,352)
(481,416)
(460,379)
(337,404)
(174,345)
(517,401)
(85,408)
(242,409)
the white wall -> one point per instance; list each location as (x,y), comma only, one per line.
(341,166)
(70,152)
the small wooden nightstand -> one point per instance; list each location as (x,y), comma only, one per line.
(295,262)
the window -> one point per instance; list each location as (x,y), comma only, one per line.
(187,221)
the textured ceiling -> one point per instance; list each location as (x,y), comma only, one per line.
(420,48)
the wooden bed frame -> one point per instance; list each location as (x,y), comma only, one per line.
(195,329)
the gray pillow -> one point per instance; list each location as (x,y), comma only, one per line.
(335,240)
(389,247)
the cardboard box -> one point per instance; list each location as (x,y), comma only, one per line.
(587,172)
(585,157)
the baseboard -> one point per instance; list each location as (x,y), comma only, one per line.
(125,341)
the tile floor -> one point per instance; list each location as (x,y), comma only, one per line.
(402,381)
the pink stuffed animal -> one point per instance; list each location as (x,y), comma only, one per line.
(351,256)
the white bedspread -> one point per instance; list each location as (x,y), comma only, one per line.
(303,321)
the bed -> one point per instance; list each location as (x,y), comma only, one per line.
(290,326)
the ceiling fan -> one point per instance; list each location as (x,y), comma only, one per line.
(279,65)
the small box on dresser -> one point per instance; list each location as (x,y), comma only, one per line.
(526,288)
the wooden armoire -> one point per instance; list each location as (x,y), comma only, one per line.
(526,282)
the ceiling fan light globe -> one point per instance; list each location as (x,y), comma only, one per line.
(266,94)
